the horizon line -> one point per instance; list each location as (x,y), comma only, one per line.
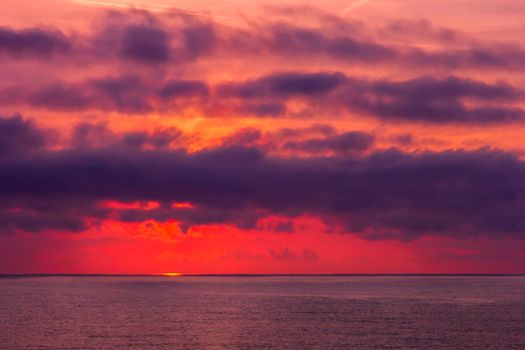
(178,275)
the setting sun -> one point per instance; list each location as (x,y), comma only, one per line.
(172,274)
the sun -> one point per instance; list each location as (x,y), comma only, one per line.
(172,274)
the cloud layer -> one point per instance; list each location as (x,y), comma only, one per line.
(380,194)
(392,131)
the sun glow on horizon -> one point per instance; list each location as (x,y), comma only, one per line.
(172,274)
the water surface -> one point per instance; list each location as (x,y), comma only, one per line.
(272,312)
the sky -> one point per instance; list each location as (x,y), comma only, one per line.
(365,136)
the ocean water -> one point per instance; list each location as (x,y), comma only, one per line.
(301,312)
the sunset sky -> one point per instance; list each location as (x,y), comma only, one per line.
(250,136)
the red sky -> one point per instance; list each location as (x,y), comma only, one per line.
(262,137)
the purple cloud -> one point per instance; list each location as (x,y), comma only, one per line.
(384,194)
(33,43)
(19,136)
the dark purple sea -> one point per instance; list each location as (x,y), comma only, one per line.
(284,312)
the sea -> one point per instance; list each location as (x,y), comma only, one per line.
(262,312)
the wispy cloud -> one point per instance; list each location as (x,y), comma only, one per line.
(125,4)
(354,5)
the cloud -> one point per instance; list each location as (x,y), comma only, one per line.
(33,43)
(125,94)
(148,45)
(283,85)
(355,4)
(263,109)
(19,136)
(423,30)
(183,88)
(199,39)
(90,136)
(282,254)
(290,39)
(145,39)
(158,139)
(243,137)
(286,254)
(133,36)
(352,142)
(382,195)
(403,139)
(11,223)
(424,99)
(310,255)
(149,39)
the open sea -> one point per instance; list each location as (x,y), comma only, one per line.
(262,312)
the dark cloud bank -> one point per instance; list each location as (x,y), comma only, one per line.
(378,195)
